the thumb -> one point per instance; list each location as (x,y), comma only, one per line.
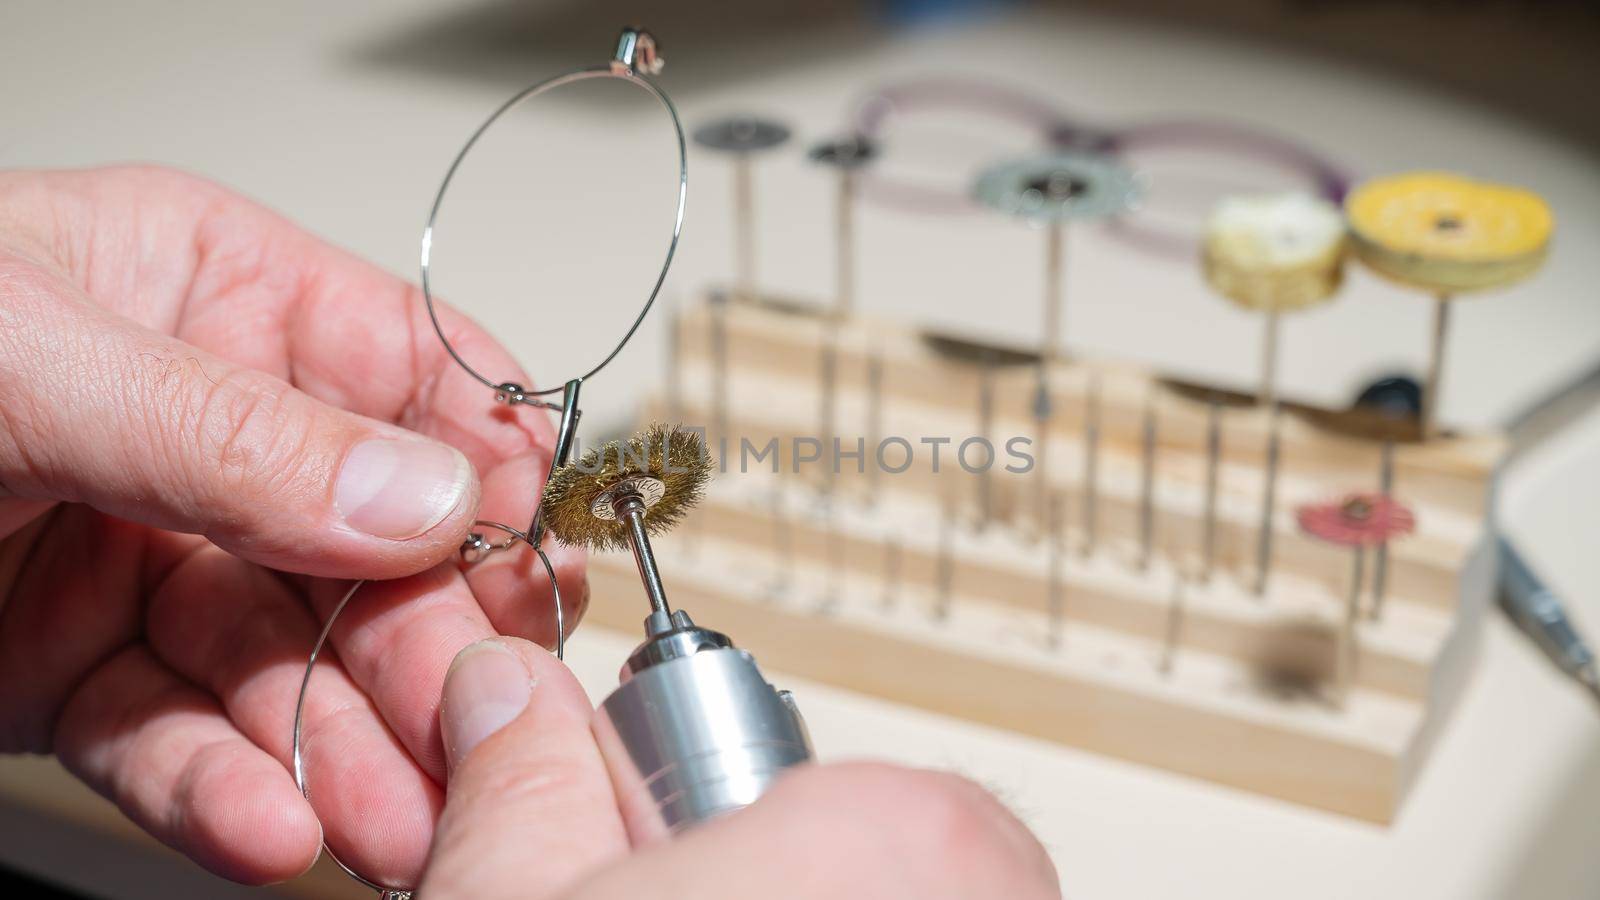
(530,808)
(140,425)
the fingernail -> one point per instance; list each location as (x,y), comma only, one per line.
(398,488)
(487,686)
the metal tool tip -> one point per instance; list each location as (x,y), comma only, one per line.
(670,465)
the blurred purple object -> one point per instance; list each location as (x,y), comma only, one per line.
(1059,131)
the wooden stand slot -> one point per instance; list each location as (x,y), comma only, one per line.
(936,589)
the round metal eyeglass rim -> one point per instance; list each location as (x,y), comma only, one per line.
(297,746)
(602,71)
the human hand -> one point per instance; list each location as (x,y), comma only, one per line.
(530,815)
(196,400)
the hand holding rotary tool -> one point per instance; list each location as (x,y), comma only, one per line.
(693,734)
(694,731)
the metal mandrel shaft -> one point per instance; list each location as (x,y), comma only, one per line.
(1435,376)
(744,236)
(1174,629)
(1208,525)
(1050,334)
(1049,354)
(874,424)
(985,485)
(1091,463)
(827,396)
(1147,486)
(944,564)
(845,248)
(1345,661)
(1380,558)
(630,508)
(719,365)
(1269,488)
(1269,502)
(1056,597)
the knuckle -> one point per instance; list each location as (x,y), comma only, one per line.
(252,434)
(951,830)
(942,812)
(161,180)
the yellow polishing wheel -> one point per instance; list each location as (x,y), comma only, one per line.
(1274,251)
(1446,233)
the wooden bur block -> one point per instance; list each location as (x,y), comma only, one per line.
(941,590)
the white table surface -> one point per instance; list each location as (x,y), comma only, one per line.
(319,110)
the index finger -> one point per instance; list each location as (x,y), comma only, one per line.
(191,259)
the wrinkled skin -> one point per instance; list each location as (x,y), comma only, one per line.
(180,371)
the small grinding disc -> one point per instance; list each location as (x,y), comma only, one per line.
(973,353)
(1359,520)
(1202,393)
(1362,422)
(1060,187)
(741,134)
(849,153)
(1448,234)
(673,459)
(1274,251)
